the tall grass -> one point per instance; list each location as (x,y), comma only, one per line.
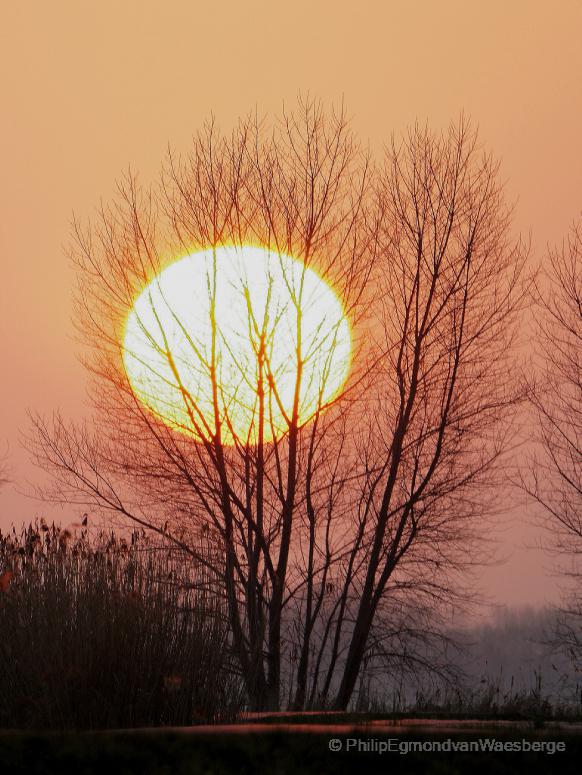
(491,699)
(107,632)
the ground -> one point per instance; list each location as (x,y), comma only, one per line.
(282,747)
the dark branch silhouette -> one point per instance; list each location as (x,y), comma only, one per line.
(327,526)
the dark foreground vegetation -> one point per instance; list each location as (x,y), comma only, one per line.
(105,631)
(276,752)
(104,636)
(108,632)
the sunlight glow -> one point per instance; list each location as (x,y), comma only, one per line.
(172,348)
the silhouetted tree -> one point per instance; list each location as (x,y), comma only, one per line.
(448,277)
(326,519)
(555,476)
(557,397)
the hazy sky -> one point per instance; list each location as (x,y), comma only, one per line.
(88,88)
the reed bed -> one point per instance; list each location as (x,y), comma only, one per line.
(104,631)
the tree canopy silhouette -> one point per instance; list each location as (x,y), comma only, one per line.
(329,524)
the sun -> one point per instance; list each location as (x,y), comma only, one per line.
(232,339)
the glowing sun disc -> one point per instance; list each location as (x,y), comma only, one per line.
(188,377)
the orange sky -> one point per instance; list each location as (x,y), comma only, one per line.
(90,87)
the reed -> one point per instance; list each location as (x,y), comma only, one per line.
(99,630)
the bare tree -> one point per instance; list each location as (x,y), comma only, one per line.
(557,397)
(554,479)
(328,510)
(450,289)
